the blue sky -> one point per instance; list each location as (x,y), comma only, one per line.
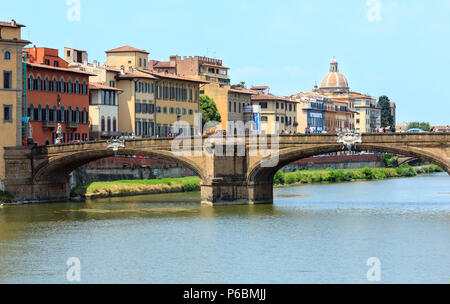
(284,44)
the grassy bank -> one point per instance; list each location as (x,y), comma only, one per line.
(189,184)
(335,176)
(6,197)
(134,187)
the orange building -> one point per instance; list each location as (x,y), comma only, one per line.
(56,95)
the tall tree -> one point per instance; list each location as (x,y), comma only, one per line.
(240,85)
(419,125)
(386,115)
(209,111)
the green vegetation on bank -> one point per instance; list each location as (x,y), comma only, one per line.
(131,187)
(189,184)
(347,175)
(6,197)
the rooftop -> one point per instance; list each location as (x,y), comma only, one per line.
(49,67)
(171,76)
(100,86)
(12,23)
(127,49)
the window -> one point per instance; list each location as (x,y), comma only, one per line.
(55,85)
(7,80)
(263,105)
(62,85)
(103,124)
(56,63)
(140,61)
(7,113)
(7,55)
(47,62)
(69,86)
(77,87)
(264,119)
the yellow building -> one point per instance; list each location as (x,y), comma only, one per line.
(137,100)
(275,111)
(11,87)
(151,101)
(368,114)
(177,99)
(212,71)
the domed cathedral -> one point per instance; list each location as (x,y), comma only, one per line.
(334,82)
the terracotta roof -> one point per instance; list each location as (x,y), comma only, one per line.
(334,80)
(9,24)
(49,67)
(269,97)
(100,86)
(359,95)
(74,49)
(163,64)
(127,49)
(136,74)
(242,91)
(109,68)
(172,76)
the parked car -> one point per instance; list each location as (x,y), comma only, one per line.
(415,131)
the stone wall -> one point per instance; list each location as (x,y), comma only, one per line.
(121,168)
(337,162)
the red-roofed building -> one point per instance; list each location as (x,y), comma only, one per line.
(56,95)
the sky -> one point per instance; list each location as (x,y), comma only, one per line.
(398,48)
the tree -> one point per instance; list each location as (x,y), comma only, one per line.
(386,115)
(209,111)
(240,85)
(419,125)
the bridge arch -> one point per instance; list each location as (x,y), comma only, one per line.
(257,174)
(58,169)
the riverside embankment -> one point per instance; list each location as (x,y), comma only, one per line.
(189,184)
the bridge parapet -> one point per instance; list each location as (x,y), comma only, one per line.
(41,173)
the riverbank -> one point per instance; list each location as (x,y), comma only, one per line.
(137,187)
(189,184)
(348,175)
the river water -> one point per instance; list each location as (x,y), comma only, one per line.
(312,234)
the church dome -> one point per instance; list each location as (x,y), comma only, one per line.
(334,80)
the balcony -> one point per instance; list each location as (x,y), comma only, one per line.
(72,125)
(49,124)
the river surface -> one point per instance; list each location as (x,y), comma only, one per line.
(312,234)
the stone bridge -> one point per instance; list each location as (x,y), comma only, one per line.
(233,174)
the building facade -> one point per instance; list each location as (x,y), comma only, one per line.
(368,114)
(278,115)
(310,112)
(177,99)
(212,71)
(56,96)
(11,88)
(103,111)
(394,112)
